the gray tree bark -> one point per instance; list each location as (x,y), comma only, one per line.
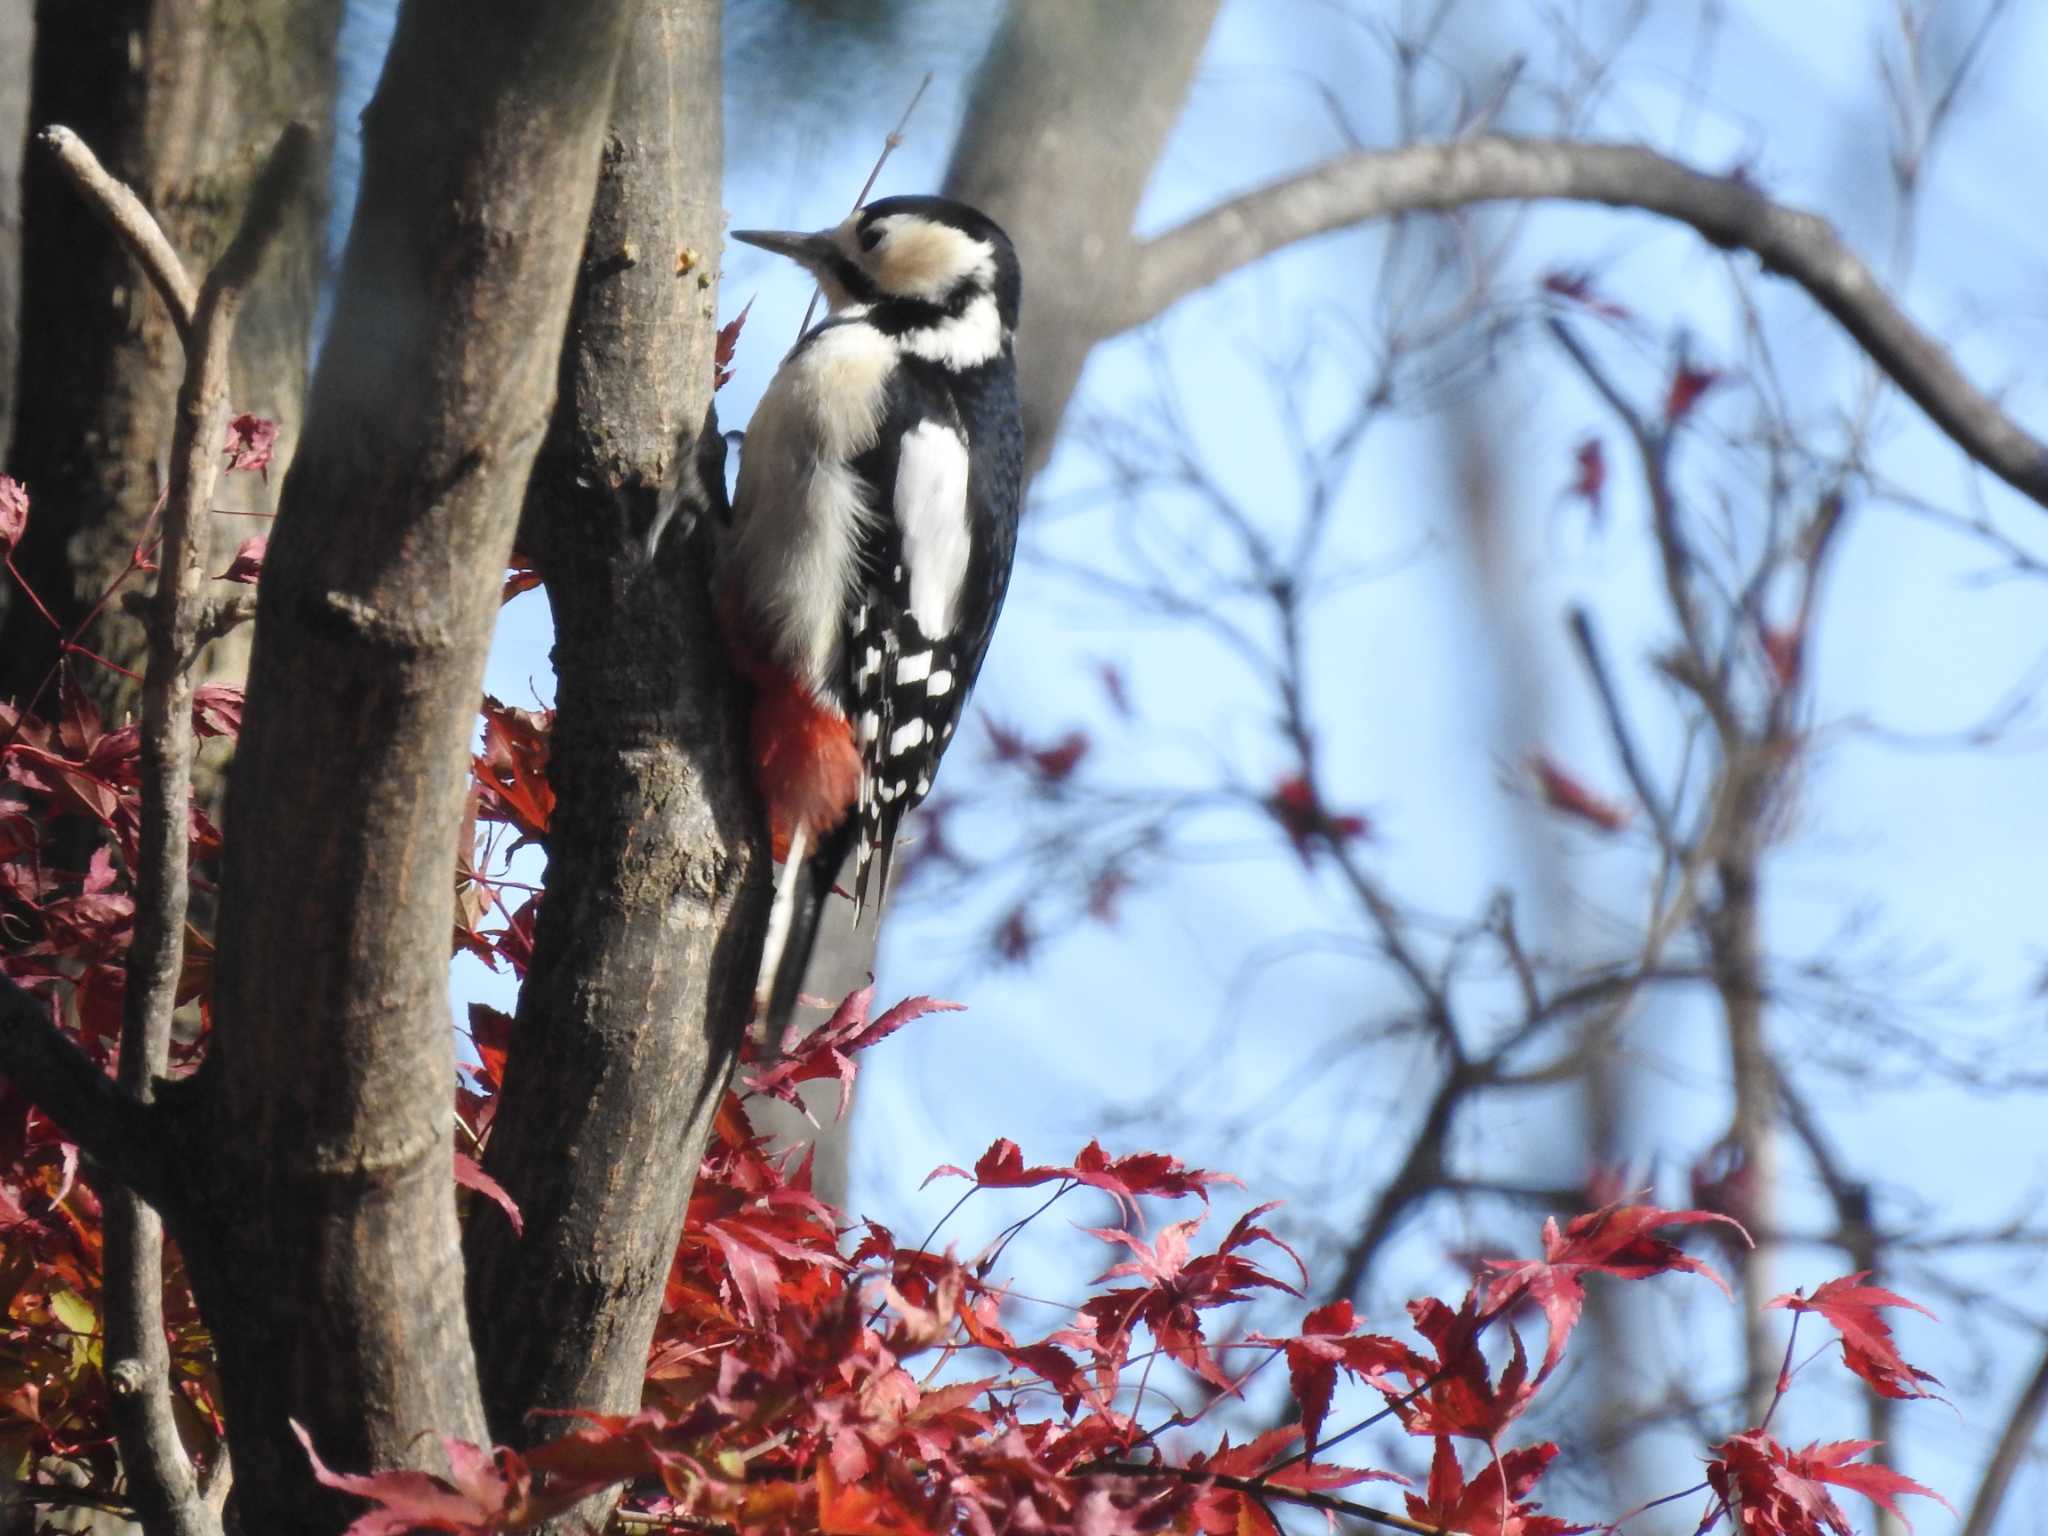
(657,885)
(1067,118)
(321,1227)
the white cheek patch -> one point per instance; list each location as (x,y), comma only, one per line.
(920,259)
(931,515)
(966,340)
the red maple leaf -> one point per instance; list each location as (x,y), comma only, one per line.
(1492,1504)
(1779,1492)
(1688,385)
(1867,1347)
(728,344)
(1563,792)
(469,1173)
(1326,1345)
(1455,1394)
(1123,1179)
(1614,1240)
(217,710)
(512,770)
(1181,1287)
(247,566)
(827,1051)
(486,1491)
(13,513)
(1590,480)
(522,575)
(1302,817)
(251,441)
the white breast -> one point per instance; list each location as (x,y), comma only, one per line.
(799,511)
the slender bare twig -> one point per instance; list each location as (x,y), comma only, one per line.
(1727,210)
(160,1476)
(1618,727)
(131,223)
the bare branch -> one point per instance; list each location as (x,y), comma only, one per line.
(68,1086)
(1727,210)
(131,223)
(1618,727)
(2013,1442)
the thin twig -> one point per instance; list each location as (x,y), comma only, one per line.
(889,147)
(1618,727)
(131,223)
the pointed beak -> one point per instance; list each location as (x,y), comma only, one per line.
(811,250)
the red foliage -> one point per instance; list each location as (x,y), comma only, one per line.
(247,565)
(728,344)
(251,441)
(1688,386)
(1563,792)
(1491,1504)
(806,1377)
(1307,823)
(1589,479)
(13,513)
(1614,1240)
(1867,1347)
(1778,1492)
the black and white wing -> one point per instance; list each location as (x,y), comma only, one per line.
(937,562)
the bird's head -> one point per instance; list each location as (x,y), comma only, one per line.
(916,251)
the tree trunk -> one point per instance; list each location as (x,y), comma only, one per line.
(1068,115)
(17,38)
(322,1235)
(650,929)
(181,101)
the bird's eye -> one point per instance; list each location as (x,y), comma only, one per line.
(870,237)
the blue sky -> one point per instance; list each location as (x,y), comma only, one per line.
(1937,850)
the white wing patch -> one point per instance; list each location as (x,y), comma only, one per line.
(931,514)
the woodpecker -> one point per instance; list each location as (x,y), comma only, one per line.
(874,525)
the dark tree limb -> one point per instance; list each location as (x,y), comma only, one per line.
(650,928)
(123,1137)
(1728,211)
(326,1253)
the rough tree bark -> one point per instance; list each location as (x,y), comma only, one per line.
(181,102)
(650,929)
(320,1228)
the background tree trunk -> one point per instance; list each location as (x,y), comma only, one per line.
(1067,118)
(181,101)
(650,929)
(17,38)
(322,1233)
